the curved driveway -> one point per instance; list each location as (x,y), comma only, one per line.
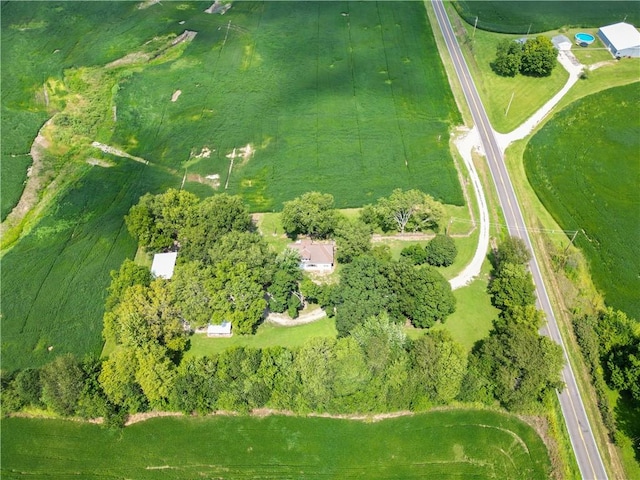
(580,433)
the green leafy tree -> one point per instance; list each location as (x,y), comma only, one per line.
(525,315)
(145,315)
(350,376)
(513,287)
(411,210)
(239,297)
(28,387)
(193,290)
(156,220)
(439,366)
(249,248)
(422,294)
(155,374)
(522,366)
(508,59)
(128,275)
(511,250)
(415,253)
(538,57)
(364,291)
(441,251)
(353,238)
(311,214)
(62,382)
(118,380)
(312,363)
(212,218)
(195,387)
(381,340)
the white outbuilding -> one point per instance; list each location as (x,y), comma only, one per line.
(561,42)
(163,264)
(622,39)
(221,330)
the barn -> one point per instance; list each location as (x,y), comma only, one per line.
(622,39)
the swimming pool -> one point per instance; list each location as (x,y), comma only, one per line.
(584,39)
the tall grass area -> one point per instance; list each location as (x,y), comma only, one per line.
(443,445)
(537,16)
(592,186)
(54,280)
(348,98)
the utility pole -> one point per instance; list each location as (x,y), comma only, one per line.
(529,29)
(571,242)
(476,24)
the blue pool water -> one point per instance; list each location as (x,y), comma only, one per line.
(585,38)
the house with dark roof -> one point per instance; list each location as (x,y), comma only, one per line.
(314,256)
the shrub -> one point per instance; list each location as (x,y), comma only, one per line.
(441,251)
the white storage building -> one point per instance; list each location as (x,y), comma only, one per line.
(622,39)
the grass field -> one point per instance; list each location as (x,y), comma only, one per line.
(356,105)
(534,17)
(593,187)
(40,41)
(54,279)
(444,445)
(348,98)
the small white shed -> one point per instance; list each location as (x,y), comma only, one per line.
(163,264)
(221,330)
(561,43)
(622,39)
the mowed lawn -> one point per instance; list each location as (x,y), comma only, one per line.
(585,167)
(348,98)
(444,445)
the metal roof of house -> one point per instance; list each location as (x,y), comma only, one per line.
(622,35)
(310,252)
(163,264)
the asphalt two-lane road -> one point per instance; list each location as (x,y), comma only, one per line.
(580,433)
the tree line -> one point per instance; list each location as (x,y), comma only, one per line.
(371,367)
(610,344)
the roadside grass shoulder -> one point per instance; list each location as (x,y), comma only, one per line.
(440,444)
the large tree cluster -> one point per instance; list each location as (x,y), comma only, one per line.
(515,365)
(536,57)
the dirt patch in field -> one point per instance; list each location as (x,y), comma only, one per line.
(99,163)
(141,417)
(176,95)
